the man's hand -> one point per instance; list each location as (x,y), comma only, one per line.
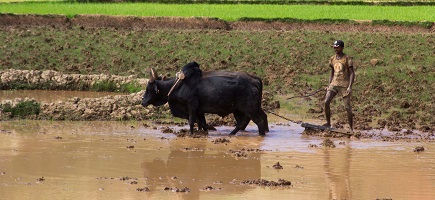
(348,91)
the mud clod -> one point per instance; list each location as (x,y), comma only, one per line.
(126,178)
(221,140)
(191,149)
(328,143)
(133,183)
(277,166)
(186,133)
(167,130)
(419,149)
(299,167)
(185,189)
(238,153)
(263,182)
(144,189)
(209,188)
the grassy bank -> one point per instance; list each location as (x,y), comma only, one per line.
(231,12)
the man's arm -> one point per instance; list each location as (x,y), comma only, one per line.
(351,79)
(331,75)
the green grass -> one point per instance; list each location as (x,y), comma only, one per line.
(22,109)
(230,12)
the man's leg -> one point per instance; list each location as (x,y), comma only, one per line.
(329,96)
(349,112)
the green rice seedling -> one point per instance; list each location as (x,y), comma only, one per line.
(104,86)
(22,109)
(231,12)
(131,87)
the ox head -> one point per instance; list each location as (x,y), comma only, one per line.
(152,93)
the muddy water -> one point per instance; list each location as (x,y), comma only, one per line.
(47,96)
(111,160)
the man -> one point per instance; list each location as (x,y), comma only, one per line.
(340,82)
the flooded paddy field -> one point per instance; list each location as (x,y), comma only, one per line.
(130,160)
(43,159)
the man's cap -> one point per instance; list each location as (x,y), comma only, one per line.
(338,43)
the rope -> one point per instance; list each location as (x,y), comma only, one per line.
(178,76)
(280,116)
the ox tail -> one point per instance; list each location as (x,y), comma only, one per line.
(261,93)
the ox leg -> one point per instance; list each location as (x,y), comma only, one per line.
(192,109)
(202,123)
(241,122)
(260,123)
(265,124)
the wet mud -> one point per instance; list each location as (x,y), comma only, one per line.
(127,160)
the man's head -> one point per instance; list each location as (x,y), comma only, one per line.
(338,47)
(338,43)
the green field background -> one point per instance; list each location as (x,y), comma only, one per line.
(230,12)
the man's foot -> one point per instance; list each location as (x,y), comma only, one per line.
(327,125)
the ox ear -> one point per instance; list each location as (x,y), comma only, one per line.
(153,75)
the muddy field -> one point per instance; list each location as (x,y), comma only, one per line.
(126,160)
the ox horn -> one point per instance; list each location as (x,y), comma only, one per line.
(153,75)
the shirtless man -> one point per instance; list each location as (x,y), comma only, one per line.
(340,82)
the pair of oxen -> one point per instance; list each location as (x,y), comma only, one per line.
(192,93)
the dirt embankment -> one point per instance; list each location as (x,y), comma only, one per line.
(119,107)
(53,80)
(132,22)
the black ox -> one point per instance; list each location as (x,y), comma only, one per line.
(215,92)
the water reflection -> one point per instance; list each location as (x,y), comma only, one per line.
(197,163)
(337,172)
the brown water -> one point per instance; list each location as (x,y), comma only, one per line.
(86,160)
(50,96)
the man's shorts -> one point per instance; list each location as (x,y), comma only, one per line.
(339,91)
